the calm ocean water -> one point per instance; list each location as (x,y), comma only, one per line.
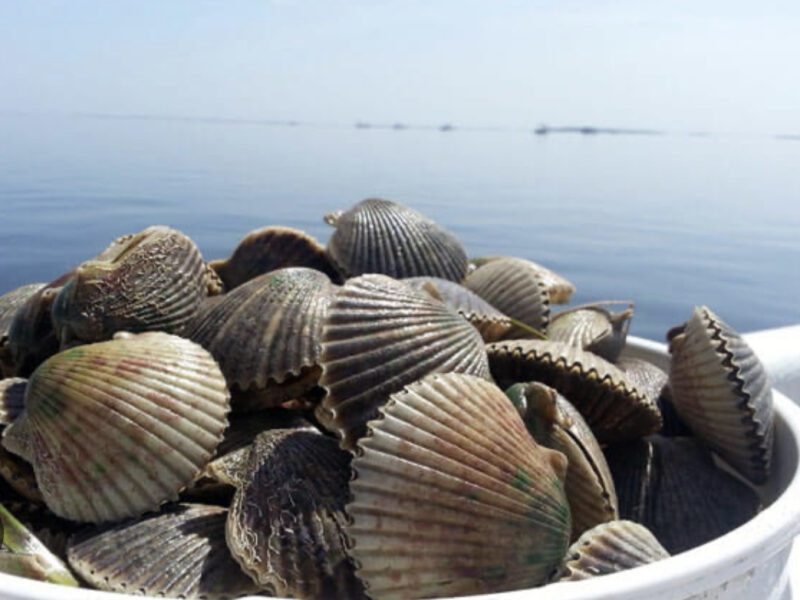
(667,221)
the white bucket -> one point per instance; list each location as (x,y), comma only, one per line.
(749,562)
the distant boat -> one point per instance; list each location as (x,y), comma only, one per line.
(542,130)
(446,127)
(362,125)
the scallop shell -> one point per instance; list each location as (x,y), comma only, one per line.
(612,406)
(510,285)
(152,280)
(380,236)
(12,399)
(592,327)
(721,389)
(609,548)
(553,422)
(116,428)
(558,287)
(270,248)
(179,553)
(654,382)
(379,335)
(285,523)
(447,501)
(672,487)
(10,303)
(490,322)
(267,332)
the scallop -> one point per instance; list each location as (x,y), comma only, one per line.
(446,501)
(592,327)
(654,382)
(270,248)
(381,236)
(152,280)
(379,335)
(558,287)
(12,399)
(721,390)
(117,428)
(10,303)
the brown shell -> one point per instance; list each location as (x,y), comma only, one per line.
(381,236)
(152,280)
(19,474)
(179,553)
(285,523)
(265,334)
(379,335)
(592,327)
(490,322)
(10,302)
(447,501)
(12,399)
(510,285)
(270,248)
(559,289)
(721,390)
(612,406)
(609,548)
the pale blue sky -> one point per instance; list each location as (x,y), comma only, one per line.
(679,65)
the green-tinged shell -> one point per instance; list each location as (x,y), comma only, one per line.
(592,327)
(511,286)
(265,334)
(179,553)
(152,280)
(721,390)
(654,382)
(381,236)
(12,399)
(490,322)
(20,541)
(558,287)
(116,428)
(50,530)
(609,548)
(31,337)
(451,495)
(270,248)
(553,422)
(20,476)
(379,335)
(672,487)
(609,402)
(10,302)
(285,523)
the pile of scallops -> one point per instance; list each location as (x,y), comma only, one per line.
(380,417)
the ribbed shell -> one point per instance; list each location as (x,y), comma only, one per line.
(267,330)
(612,406)
(609,548)
(9,304)
(721,389)
(12,399)
(490,322)
(381,236)
(285,522)
(553,422)
(152,280)
(116,428)
(593,328)
(380,335)
(270,248)
(451,495)
(654,382)
(513,287)
(559,289)
(672,487)
(179,553)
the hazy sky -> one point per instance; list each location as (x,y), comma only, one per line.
(720,65)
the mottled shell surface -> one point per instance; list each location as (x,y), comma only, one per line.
(152,280)
(116,428)
(10,303)
(558,287)
(451,496)
(510,285)
(490,322)
(721,390)
(381,236)
(270,248)
(379,335)
(268,331)
(285,523)
(179,553)
(12,399)
(609,402)
(553,422)
(593,328)
(609,548)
